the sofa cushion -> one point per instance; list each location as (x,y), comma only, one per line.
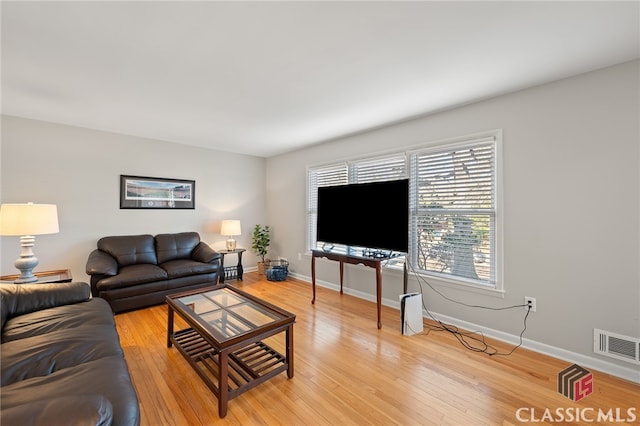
(130,249)
(133,275)
(107,376)
(176,246)
(93,312)
(19,299)
(185,267)
(45,354)
(75,410)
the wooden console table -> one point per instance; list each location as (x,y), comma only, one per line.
(354,260)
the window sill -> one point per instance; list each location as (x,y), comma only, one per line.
(416,279)
(396,270)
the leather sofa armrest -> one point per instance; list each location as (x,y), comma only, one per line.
(20,299)
(205,254)
(101,263)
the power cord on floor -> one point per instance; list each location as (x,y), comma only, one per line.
(472,340)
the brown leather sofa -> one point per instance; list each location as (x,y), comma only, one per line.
(135,271)
(61,359)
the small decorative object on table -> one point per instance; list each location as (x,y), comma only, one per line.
(277,270)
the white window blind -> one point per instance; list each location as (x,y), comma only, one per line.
(453,194)
(337,174)
(390,167)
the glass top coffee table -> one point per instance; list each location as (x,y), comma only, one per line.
(224,339)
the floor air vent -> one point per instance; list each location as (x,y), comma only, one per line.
(616,346)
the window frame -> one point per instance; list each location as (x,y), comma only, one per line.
(410,153)
(493,138)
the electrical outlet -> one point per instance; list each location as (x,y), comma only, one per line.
(530,302)
(299,256)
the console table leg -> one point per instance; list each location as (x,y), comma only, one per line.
(379,292)
(342,258)
(405,276)
(313,278)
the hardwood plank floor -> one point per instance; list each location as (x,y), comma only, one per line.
(347,372)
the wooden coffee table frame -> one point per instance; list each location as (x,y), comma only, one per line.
(230,367)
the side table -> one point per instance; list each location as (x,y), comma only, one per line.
(53,276)
(231,272)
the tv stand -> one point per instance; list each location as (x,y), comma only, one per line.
(373,262)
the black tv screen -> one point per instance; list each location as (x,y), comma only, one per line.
(369,215)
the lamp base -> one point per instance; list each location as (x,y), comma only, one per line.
(26,279)
(231,244)
(27,261)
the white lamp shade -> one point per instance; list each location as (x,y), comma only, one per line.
(28,219)
(230,228)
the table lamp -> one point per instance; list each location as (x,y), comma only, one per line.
(28,220)
(230,228)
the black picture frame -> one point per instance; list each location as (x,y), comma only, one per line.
(143,192)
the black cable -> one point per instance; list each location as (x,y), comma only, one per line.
(468,339)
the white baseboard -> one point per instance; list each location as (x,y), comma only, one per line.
(631,374)
(626,373)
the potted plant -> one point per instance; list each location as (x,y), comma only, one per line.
(260,243)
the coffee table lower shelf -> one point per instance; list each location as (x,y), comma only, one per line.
(246,367)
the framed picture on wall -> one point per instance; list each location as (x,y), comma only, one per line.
(140,192)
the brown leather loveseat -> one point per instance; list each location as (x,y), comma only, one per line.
(135,271)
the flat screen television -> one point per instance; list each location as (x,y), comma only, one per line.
(373,215)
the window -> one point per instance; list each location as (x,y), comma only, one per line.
(331,175)
(453,205)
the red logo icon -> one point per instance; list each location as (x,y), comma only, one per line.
(575,382)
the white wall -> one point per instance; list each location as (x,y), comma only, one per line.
(79,170)
(571,207)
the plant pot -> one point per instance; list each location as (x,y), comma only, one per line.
(262,266)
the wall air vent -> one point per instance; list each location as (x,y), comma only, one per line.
(616,346)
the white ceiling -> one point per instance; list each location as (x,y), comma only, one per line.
(263,78)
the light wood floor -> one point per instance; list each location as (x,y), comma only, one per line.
(347,372)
